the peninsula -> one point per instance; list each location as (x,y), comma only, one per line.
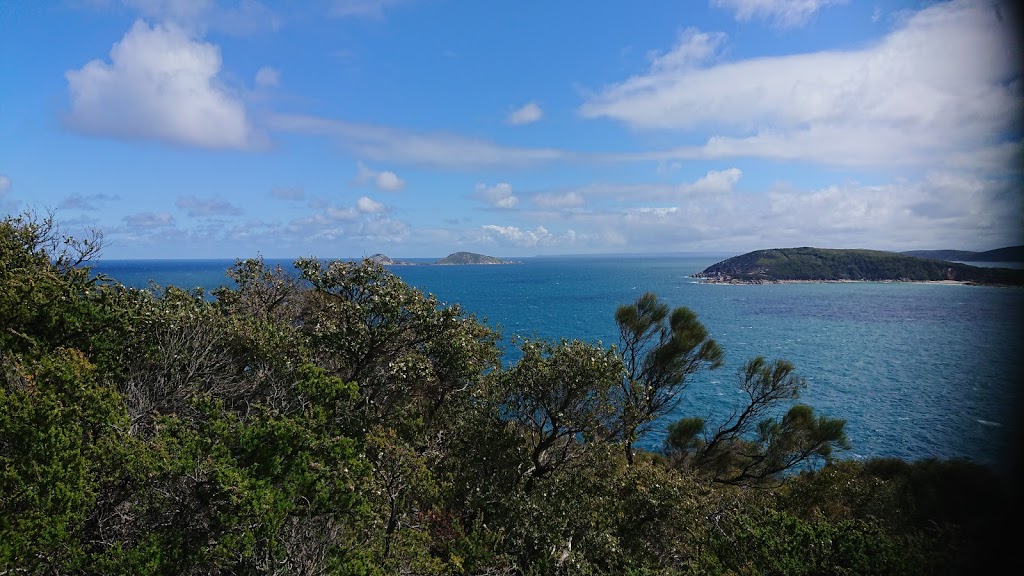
(808,264)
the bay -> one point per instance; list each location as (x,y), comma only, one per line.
(917,370)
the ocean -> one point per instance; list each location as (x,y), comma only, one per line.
(916,370)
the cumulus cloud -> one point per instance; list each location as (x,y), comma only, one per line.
(437,150)
(5,184)
(716,181)
(149,220)
(388,182)
(87,202)
(268,77)
(945,81)
(205,207)
(782,13)
(384,181)
(500,195)
(540,236)
(160,84)
(359,224)
(940,209)
(526,114)
(367,206)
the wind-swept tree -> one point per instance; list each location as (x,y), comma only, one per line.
(660,351)
(751,447)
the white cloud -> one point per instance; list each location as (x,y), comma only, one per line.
(268,77)
(500,195)
(782,13)
(716,181)
(368,206)
(389,182)
(206,207)
(160,84)
(362,223)
(384,181)
(5,184)
(526,114)
(693,47)
(940,84)
(941,210)
(437,150)
(571,199)
(525,238)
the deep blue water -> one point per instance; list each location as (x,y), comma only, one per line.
(917,370)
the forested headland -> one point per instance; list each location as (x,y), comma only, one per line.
(334,420)
(825,264)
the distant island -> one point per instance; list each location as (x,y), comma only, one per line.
(471,258)
(451,259)
(847,265)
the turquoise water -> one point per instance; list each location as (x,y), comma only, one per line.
(917,370)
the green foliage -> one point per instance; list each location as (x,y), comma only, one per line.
(751,447)
(408,355)
(560,397)
(57,426)
(659,351)
(341,422)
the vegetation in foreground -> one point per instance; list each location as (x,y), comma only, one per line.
(824,264)
(338,421)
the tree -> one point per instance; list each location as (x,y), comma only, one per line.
(559,397)
(48,299)
(408,355)
(749,448)
(660,351)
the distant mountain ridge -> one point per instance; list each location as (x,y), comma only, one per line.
(451,259)
(824,264)
(1008,254)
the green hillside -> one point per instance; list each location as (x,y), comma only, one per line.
(824,264)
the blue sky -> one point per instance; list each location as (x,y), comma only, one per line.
(417,128)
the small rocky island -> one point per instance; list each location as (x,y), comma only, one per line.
(451,259)
(471,258)
(808,264)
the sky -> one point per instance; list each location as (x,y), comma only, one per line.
(418,128)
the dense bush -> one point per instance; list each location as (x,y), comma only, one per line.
(338,421)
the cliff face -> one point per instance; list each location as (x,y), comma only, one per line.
(820,264)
